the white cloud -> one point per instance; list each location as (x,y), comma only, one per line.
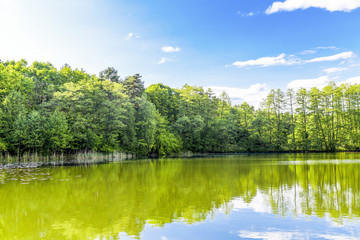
(284,60)
(163,60)
(306,52)
(250,14)
(252,95)
(268,61)
(335,237)
(166,60)
(277,234)
(132,35)
(352,80)
(273,235)
(329,5)
(314,50)
(170,49)
(331,48)
(258,204)
(319,82)
(334,70)
(343,55)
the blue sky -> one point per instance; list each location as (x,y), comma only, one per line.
(244,47)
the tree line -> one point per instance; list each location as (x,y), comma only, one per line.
(45,110)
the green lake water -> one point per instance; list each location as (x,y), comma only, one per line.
(284,196)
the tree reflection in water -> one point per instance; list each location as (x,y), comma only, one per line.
(105,200)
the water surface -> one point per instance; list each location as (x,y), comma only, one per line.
(285,196)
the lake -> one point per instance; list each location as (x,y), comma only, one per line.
(257,196)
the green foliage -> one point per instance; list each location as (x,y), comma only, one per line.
(56,132)
(14,77)
(110,74)
(134,86)
(165,99)
(190,129)
(45,110)
(145,126)
(166,142)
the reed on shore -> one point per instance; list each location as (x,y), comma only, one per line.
(77,158)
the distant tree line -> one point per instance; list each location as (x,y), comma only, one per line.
(45,110)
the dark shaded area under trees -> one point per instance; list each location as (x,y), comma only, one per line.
(45,110)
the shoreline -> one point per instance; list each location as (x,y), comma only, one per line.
(86,159)
(76,159)
(24,165)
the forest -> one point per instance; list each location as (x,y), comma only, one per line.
(44,110)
